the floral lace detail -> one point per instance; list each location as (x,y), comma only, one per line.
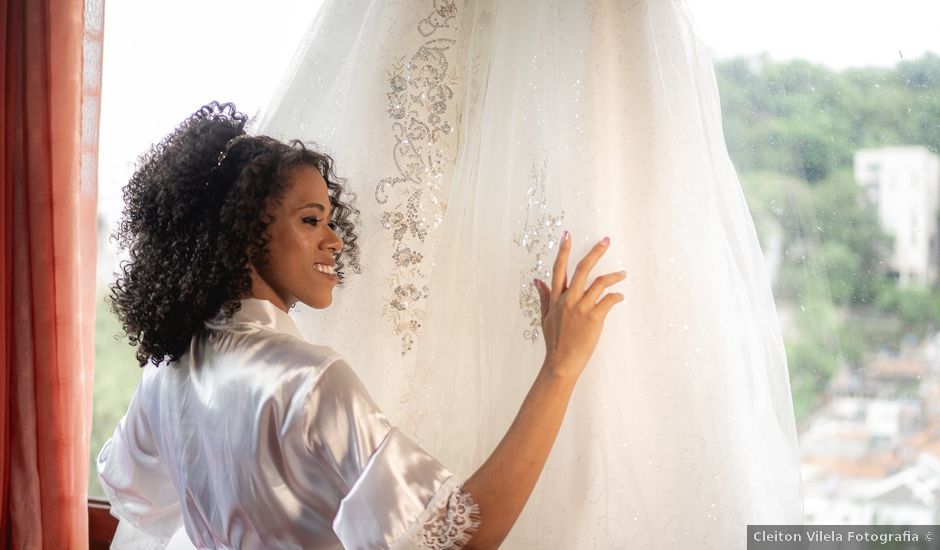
(449,521)
(420,93)
(538,238)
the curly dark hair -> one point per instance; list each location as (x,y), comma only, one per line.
(192,225)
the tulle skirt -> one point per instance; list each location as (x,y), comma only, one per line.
(472,133)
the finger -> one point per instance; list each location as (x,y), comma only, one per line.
(608,301)
(599,284)
(560,269)
(586,265)
(544,295)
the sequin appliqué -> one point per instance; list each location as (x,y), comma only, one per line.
(419,104)
(538,238)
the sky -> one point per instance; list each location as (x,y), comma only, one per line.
(162,60)
(835,33)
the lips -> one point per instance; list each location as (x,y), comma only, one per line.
(325,270)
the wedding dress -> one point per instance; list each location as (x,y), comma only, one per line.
(473,132)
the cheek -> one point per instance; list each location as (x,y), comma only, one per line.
(284,248)
(299,245)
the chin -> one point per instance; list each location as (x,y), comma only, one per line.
(319,302)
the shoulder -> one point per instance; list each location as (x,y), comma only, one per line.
(282,365)
(257,368)
(298,353)
(267,350)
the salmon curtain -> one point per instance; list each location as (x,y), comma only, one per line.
(51,64)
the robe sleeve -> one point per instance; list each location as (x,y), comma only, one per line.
(136,482)
(395,494)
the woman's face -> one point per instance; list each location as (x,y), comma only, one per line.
(303,248)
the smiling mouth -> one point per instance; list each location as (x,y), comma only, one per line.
(331,276)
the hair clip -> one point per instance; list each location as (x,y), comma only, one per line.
(224,153)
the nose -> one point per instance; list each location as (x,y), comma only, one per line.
(334,242)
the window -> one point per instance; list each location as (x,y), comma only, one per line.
(814,126)
(245,75)
(828,137)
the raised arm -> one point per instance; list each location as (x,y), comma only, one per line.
(572,319)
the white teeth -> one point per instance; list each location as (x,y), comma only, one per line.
(325,268)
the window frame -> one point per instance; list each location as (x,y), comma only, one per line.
(101,524)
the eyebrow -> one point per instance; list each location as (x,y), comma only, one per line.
(314,205)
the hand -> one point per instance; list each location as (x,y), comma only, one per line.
(572,317)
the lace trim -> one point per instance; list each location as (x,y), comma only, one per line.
(447,523)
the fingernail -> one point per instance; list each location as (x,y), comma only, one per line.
(606,241)
(564,236)
(534,283)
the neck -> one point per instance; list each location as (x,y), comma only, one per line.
(261,290)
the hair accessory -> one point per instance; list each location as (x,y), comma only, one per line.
(224,153)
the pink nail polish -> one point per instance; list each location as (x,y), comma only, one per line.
(606,241)
(564,236)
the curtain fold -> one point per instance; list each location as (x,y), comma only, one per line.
(51,92)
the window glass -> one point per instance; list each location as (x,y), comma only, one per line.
(836,144)
(149,84)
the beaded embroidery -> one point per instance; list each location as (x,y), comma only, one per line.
(419,97)
(538,238)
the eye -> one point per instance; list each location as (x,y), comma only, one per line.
(314,221)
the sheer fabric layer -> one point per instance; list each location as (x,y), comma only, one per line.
(473,133)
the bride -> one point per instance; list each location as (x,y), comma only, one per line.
(472,132)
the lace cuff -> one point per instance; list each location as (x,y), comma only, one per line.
(449,521)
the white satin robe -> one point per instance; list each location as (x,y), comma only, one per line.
(259,439)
